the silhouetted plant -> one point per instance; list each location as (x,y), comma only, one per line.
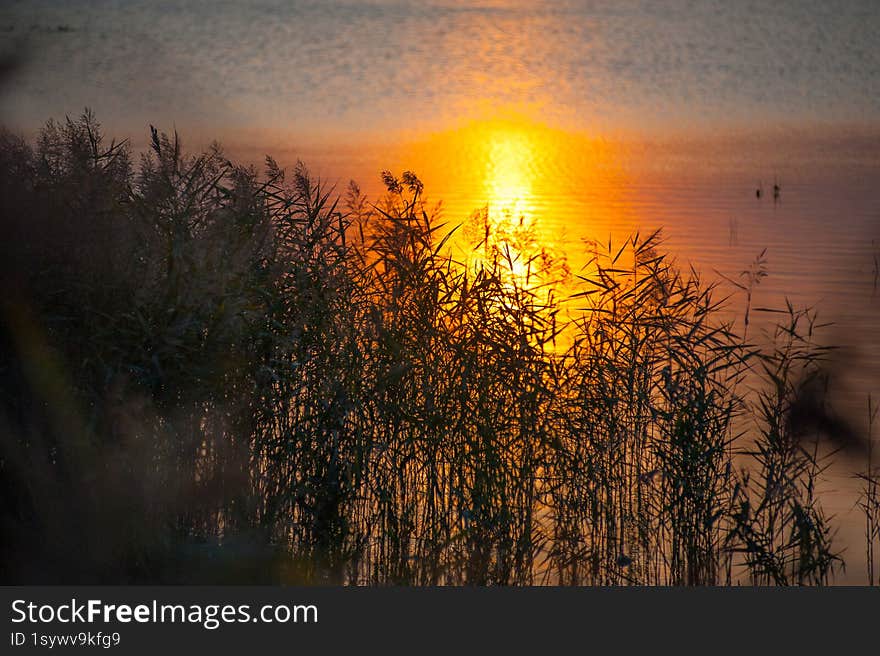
(779,525)
(214,373)
(869,499)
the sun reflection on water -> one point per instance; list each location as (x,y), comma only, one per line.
(514,184)
(507,178)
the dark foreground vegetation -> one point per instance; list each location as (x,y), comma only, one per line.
(214,374)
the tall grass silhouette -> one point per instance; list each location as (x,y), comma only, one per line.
(212,373)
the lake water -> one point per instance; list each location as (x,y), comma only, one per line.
(590,118)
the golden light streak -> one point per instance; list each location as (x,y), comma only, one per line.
(541,189)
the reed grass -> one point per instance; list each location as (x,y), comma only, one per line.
(214,373)
(869,499)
